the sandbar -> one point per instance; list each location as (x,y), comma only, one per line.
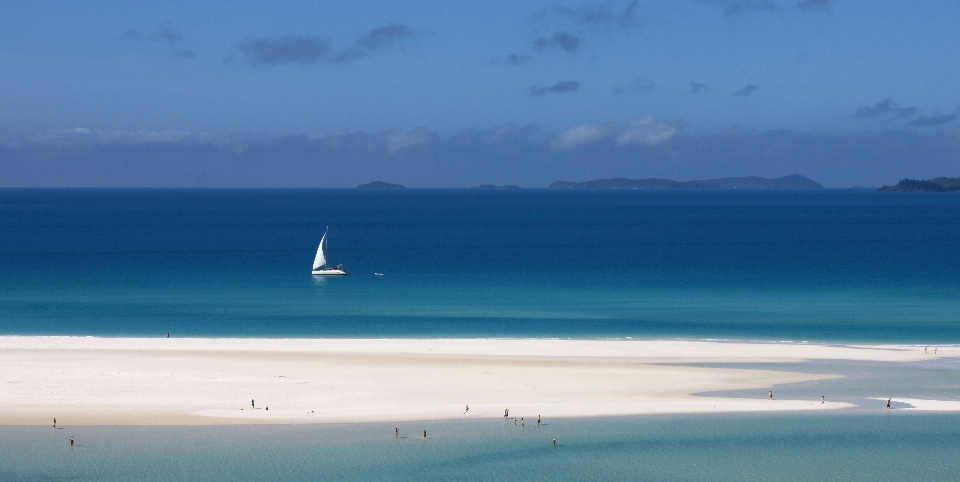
(195,381)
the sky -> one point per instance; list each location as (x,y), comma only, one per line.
(456,94)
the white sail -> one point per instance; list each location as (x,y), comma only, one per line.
(320,260)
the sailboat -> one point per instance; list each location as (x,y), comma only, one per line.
(320,262)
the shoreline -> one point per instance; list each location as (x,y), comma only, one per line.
(209,381)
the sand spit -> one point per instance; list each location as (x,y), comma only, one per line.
(144,381)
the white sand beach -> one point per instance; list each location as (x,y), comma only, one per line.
(144,381)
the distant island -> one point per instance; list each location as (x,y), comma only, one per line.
(794,181)
(380,185)
(493,186)
(938,184)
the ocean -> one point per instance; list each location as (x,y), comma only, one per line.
(836,266)
(815,265)
(733,447)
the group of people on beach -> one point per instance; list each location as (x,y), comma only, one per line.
(823,399)
(506,414)
(55,426)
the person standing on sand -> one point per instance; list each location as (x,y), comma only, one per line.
(506,413)
(467,410)
(924,350)
(770,395)
(888,403)
(823,400)
(251,403)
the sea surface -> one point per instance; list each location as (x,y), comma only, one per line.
(890,446)
(841,266)
(818,265)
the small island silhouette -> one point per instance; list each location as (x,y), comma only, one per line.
(937,184)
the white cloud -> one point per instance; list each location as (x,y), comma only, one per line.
(649,131)
(579,135)
(82,136)
(138,137)
(397,140)
(642,130)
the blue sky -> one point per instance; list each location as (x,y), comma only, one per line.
(455,94)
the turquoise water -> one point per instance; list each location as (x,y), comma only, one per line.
(836,265)
(864,384)
(872,447)
(830,265)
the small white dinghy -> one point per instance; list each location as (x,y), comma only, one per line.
(320,262)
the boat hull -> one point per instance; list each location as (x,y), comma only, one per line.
(329,272)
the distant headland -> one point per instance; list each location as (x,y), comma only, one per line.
(938,184)
(493,186)
(794,181)
(380,185)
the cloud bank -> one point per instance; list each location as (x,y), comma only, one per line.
(888,109)
(507,154)
(932,120)
(598,14)
(292,49)
(697,87)
(736,7)
(313,49)
(814,4)
(564,41)
(166,35)
(560,87)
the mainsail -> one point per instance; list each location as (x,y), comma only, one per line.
(320,260)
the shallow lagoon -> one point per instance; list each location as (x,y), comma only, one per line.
(874,446)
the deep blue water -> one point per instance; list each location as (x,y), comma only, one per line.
(841,265)
(783,447)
